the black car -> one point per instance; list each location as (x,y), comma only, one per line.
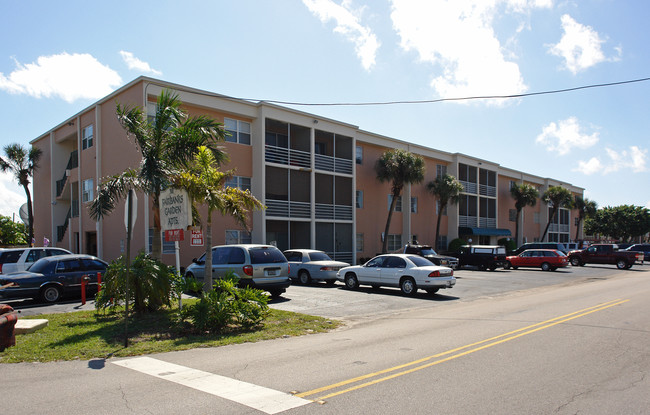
(482,256)
(428,252)
(51,278)
(645,248)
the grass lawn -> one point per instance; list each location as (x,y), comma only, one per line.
(87,335)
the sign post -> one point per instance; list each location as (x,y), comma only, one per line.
(130,209)
(175,217)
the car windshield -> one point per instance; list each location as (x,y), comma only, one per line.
(419,261)
(428,251)
(265,255)
(39,266)
(319,256)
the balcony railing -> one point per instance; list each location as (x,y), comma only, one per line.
(335,164)
(287,209)
(73,162)
(61,229)
(557,228)
(468,187)
(467,221)
(485,190)
(487,222)
(282,155)
(333,212)
(341,256)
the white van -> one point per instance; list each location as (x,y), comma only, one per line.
(19,259)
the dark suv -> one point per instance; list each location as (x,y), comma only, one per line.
(541,245)
(428,252)
(482,256)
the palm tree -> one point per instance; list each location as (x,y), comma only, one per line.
(447,190)
(524,195)
(586,208)
(400,168)
(556,197)
(204,184)
(22,164)
(170,141)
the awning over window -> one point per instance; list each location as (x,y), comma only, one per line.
(483,231)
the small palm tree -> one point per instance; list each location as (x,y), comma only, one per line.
(168,142)
(204,184)
(524,195)
(556,197)
(22,164)
(400,168)
(586,208)
(447,190)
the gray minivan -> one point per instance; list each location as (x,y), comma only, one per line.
(541,245)
(257,266)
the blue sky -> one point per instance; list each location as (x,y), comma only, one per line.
(57,58)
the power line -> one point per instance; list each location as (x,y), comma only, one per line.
(432,101)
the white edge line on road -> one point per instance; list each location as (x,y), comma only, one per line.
(258,397)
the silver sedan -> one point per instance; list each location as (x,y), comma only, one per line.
(309,265)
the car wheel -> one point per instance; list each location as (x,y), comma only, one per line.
(575,261)
(51,294)
(275,293)
(508,265)
(515,267)
(330,282)
(621,264)
(304,277)
(408,286)
(546,266)
(432,291)
(493,267)
(351,281)
(628,266)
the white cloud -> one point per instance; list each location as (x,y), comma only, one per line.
(348,24)
(134,63)
(459,37)
(580,46)
(635,159)
(563,136)
(69,77)
(13,196)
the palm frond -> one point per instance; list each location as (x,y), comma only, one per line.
(111,191)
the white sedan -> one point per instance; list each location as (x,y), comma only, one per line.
(408,272)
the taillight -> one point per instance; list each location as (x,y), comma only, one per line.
(248,270)
(434,274)
(325,268)
(288,268)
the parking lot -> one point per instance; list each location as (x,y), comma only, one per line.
(366,303)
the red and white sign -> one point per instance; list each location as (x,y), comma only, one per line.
(174,235)
(197,238)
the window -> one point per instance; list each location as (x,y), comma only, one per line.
(442,243)
(512,184)
(237,237)
(168,247)
(359,199)
(512,215)
(239,182)
(414,205)
(536,217)
(398,203)
(441,170)
(87,190)
(394,242)
(359,242)
(87,137)
(359,154)
(240,131)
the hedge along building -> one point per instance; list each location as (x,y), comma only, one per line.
(315,175)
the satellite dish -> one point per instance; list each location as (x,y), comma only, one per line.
(23,214)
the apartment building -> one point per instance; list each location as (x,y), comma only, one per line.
(315,175)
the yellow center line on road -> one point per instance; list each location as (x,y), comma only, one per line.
(494,341)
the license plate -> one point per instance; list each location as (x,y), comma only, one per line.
(272,273)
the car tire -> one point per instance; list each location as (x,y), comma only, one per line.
(275,293)
(546,266)
(51,294)
(493,267)
(508,265)
(575,261)
(515,267)
(304,278)
(432,291)
(351,281)
(621,264)
(408,286)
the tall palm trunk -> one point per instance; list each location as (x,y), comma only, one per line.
(30,216)
(207,269)
(553,212)
(384,246)
(517,228)
(442,209)
(156,243)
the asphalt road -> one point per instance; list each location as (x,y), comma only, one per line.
(524,342)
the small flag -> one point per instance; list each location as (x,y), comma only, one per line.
(46,242)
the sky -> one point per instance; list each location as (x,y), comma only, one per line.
(57,58)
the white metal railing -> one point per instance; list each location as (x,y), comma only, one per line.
(299,158)
(486,190)
(329,163)
(487,223)
(341,256)
(467,221)
(468,187)
(288,209)
(334,212)
(273,154)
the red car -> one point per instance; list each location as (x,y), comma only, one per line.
(546,259)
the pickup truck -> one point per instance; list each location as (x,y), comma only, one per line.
(605,254)
(482,256)
(428,252)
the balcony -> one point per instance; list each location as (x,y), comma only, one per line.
(485,190)
(333,212)
(335,164)
(468,187)
(287,209)
(487,223)
(282,155)
(468,221)
(73,163)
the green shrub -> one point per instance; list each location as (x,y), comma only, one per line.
(152,284)
(510,244)
(227,307)
(455,244)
